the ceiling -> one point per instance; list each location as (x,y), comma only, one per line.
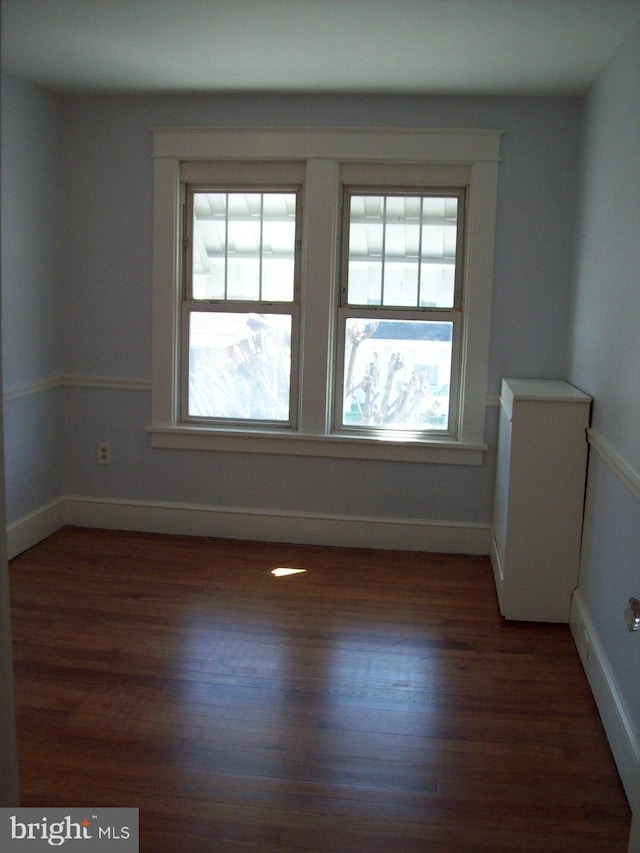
(501,47)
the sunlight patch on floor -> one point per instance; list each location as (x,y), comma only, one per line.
(280,573)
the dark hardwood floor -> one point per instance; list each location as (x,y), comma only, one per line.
(376,703)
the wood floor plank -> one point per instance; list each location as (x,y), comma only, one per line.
(375,703)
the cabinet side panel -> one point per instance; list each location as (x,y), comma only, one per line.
(501,498)
(546,492)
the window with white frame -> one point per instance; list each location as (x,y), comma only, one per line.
(323,292)
(400,313)
(241,301)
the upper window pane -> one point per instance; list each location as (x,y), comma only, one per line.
(244,246)
(402,250)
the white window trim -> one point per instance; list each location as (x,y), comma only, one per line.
(324,150)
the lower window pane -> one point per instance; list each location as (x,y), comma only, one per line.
(397,374)
(239,366)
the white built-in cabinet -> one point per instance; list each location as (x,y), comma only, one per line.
(539,497)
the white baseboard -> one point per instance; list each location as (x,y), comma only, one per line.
(251,524)
(35,526)
(615,716)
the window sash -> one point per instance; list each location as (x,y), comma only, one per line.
(189,239)
(192,305)
(248,310)
(352,309)
(457,193)
(394,432)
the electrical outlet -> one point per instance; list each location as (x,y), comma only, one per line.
(103,453)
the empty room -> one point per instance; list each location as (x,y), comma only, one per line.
(321,392)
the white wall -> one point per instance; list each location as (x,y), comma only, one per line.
(604,360)
(107,153)
(32,210)
(106,281)
(94,205)
(9,795)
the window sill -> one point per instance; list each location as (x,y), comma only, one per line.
(441,451)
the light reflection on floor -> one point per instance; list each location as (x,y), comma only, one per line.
(356,695)
(280,573)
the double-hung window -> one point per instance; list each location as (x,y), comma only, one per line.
(240,309)
(323,292)
(400,310)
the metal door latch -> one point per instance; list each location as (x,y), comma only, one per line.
(632,614)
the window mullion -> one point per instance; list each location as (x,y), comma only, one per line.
(420,229)
(319,253)
(260,246)
(384,249)
(226,245)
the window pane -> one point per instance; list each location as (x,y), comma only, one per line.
(244,246)
(209,245)
(402,251)
(397,374)
(438,252)
(278,247)
(366,235)
(239,366)
(277,279)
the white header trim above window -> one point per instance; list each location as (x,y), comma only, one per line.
(272,171)
(426,145)
(410,174)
